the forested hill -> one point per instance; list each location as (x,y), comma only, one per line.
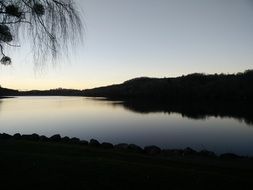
(8,92)
(51,92)
(195,86)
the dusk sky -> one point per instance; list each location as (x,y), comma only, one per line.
(125,39)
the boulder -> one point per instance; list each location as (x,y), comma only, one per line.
(26,137)
(178,152)
(134,148)
(74,140)
(55,138)
(33,137)
(107,145)
(65,139)
(94,142)
(84,142)
(189,151)
(5,136)
(172,152)
(207,153)
(152,150)
(121,146)
(17,136)
(229,156)
(167,152)
(43,138)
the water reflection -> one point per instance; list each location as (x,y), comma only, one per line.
(197,110)
(213,127)
(0,104)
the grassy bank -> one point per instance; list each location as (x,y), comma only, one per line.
(43,165)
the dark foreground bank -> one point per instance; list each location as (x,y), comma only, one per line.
(41,162)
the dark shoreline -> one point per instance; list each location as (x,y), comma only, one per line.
(68,163)
(5,97)
(147,150)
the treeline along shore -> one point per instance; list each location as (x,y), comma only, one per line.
(192,87)
(195,95)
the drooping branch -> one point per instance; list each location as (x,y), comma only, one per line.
(51,25)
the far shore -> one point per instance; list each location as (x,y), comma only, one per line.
(4,97)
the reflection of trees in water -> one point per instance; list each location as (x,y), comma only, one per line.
(194,110)
(0,104)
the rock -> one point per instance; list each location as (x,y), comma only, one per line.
(74,140)
(172,152)
(207,153)
(17,136)
(178,152)
(5,136)
(167,152)
(25,137)
(94,142)
(121,146)
(229,156)
(33,137)
(189,151)
(107,145)
(84,142)
(55,138)
(152,150)
(134,148)
(43,138)
(65,139)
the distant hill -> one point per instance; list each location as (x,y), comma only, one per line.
(195,86)
(8,92)
(53,92)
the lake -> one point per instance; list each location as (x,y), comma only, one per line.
(119,122)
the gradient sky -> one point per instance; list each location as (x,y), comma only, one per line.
(156,38)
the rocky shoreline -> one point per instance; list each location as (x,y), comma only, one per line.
(147,150)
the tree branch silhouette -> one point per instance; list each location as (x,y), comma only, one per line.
(50,25)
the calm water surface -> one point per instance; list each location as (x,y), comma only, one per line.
(87,118)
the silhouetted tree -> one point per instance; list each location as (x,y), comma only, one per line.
(51,26)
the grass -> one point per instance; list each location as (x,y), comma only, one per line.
(43,165)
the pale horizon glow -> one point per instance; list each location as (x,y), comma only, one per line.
(153,38)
